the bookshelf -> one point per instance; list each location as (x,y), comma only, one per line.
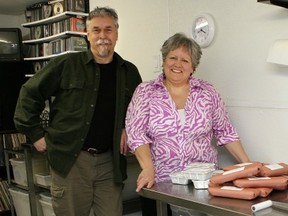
(56,28)
(4,209)
(8,139)
(23,190)
(39,16)
(5,203)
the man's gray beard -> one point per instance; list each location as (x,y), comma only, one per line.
(103,52)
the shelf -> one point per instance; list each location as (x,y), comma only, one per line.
(28,151)
(8,131)
(61,35)
(55,18)
(43,58)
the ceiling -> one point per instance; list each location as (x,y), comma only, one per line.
(14,7)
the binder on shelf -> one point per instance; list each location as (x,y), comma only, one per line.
(76,44)
(39,50)
(76,24)
(47,49)
(4,196)
(2,207)
(61,30)
(47,11)
(38,11)
(57,27)
(47,30)
(58,46)
(76,5)
(58,6)
(37,32)
(38,65)
(12,140)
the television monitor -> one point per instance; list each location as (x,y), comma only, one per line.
(11,47)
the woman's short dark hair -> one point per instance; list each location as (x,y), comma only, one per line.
(181,40)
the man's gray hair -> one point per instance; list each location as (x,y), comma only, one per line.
(101,12)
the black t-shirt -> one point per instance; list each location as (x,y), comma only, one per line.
(100,135)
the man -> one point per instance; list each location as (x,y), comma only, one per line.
(85,136)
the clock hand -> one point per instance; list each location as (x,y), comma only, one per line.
(201,30)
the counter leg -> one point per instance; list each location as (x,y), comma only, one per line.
(161,208)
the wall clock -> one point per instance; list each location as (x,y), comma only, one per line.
(203,29)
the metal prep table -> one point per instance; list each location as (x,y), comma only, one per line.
(188,197)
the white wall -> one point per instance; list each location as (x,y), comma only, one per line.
(15,21)
(255,92)
(143,29)
(10,21)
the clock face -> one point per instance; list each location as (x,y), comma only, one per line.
(203,30)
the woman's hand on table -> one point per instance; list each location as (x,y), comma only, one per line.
(145,179)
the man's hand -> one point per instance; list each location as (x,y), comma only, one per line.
(40,145)
(123,143)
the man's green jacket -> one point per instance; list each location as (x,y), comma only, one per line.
(72,81)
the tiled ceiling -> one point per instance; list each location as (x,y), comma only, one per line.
(14,7)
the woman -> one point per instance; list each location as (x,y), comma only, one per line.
(171,120)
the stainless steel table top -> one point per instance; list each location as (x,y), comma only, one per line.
(189,197)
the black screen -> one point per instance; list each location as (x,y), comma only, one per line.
(11,44)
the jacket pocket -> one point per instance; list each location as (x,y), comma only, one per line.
(57,192)
(71,94)
(72,84)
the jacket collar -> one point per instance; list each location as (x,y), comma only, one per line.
(88,57)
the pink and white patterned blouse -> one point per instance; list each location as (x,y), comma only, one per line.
(152,118)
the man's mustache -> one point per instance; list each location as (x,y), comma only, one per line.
(103,42)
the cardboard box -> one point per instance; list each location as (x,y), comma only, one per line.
(39,165)
(21,202)
(43,179)
(47,208)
